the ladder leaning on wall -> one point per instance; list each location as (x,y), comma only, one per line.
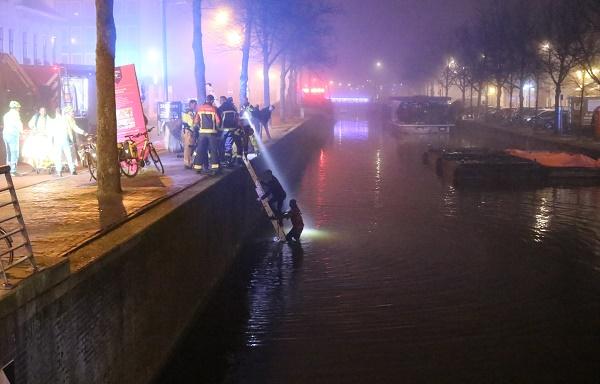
(259,191)
(15,247)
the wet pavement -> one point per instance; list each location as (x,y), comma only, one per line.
(402,278)
(63,213)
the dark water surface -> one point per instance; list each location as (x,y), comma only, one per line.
(402,278)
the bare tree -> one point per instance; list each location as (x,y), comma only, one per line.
(109,181)
(496,45)
(560,53)
(469,52)
(199,64)
(270,23)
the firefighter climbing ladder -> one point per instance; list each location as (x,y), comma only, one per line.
(259,191)
(9,248)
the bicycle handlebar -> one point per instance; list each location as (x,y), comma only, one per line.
(140,134)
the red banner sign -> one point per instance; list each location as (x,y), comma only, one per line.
(130,115)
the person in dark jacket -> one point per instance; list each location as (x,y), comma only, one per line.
(295,215)
(229,124)
(274,191)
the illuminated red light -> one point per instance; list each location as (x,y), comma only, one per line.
(314,91)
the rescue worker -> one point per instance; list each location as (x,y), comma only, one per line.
(248,132)
(37,144)
(189,133)
(62,132)
(13,127)
(229,124)
(209,122)
(295,215)
(274,191)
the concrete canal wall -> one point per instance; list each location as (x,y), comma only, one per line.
(112,311)
(526,139)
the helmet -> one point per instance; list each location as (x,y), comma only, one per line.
(14,104)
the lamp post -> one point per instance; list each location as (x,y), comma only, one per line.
(164,49)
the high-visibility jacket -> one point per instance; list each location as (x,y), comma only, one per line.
(230,120)
(188,119)
(207,118)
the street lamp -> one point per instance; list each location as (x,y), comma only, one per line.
(379,64)
(222,17)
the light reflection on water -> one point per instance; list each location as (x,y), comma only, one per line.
(404,276)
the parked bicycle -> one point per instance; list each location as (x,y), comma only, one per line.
(87,153)
(131,159)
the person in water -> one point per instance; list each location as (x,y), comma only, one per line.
(295,215)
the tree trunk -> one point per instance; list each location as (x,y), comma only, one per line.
(537,94)
(292,93)
(266,80)
(109,176)
(282,76)
(199,67)
(498,95)
(521,95)
(581,114)
(510,103)
(471,97)
(245,58)
(479,99)
(557,117)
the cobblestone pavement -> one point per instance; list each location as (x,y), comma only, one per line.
(63,213)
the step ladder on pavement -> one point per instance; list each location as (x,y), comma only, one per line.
(259,191)
(15,247)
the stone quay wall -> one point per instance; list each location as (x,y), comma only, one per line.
(113,310)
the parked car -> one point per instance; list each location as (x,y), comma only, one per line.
(547,120)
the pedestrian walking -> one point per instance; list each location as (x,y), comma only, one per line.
(13,127)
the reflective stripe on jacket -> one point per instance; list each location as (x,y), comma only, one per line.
(208,119)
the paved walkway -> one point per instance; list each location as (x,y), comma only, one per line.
(61,214)
(588,145)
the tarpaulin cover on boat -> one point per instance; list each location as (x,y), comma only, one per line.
(556,159)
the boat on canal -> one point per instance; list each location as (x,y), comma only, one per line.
(513,167)
(421,114)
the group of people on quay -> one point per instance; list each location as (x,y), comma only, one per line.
(220,136)
(213,137)
(216,136)
(51,137)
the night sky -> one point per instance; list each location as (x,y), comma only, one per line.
(408,36)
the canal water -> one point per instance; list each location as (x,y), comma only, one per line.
(402,278)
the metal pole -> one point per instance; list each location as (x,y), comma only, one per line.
(164,41)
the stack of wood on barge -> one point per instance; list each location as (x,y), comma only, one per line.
(512,167)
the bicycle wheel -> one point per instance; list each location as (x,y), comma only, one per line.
(129,167)
(5,245)
(92,165)
(156,159)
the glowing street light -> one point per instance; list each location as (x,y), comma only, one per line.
(379,64)
(234,38)
(222,17)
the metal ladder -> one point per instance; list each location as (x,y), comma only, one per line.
(259,191)
(7,252)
